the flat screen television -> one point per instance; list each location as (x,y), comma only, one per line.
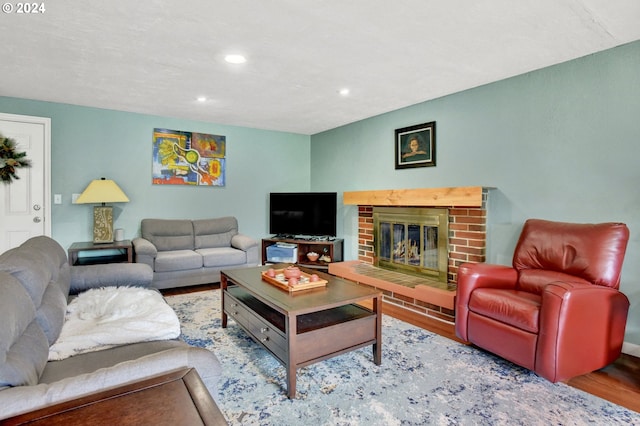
(302,213)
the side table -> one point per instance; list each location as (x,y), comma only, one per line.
(125,249)
(176,398)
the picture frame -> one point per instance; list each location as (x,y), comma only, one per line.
(415,146)
(188,158)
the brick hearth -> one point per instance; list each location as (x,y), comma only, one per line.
(467,207)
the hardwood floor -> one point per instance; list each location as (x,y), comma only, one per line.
(618,382)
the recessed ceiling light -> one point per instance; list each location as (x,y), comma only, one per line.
(201,99)
(235,59)
(344,92)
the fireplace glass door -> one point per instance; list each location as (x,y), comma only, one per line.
(412,240)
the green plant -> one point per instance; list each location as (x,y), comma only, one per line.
(10,160)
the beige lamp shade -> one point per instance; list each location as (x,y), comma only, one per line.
(100,192)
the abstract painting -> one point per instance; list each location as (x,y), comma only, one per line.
(188,158)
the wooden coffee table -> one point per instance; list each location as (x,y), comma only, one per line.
(304,327)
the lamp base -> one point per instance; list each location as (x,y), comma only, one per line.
(102,224)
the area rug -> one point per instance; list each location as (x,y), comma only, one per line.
(424,379)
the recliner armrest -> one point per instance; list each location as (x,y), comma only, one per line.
(478,275)
(583,328)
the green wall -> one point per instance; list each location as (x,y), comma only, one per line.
(89,143)
(561,143)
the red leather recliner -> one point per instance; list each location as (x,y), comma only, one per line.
(558,310)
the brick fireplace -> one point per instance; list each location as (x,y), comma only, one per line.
(467,237)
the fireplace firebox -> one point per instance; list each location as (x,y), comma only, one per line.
(412,240)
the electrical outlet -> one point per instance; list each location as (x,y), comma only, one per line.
(57,199)
(74,198)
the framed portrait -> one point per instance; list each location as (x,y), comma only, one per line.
(416,146)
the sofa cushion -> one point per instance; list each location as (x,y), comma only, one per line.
(64,279)
(22,342)
(519,309)
(30,269)
(50,314)
(17,312)
(51,252)
(222,256)
(26,358)
(177,260)
(214,232)
(168,234)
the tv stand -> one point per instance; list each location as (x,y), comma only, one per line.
(329,248)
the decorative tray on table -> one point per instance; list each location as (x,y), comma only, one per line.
(304,281)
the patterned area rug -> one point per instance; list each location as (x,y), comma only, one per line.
(424,379)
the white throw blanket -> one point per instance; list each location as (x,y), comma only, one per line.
(111,316)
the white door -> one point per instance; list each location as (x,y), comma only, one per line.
(25,202)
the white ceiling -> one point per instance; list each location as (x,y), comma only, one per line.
(157,56)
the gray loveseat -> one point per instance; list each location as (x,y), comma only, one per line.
(185,252)
(35,283)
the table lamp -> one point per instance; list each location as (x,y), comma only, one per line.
(101,191)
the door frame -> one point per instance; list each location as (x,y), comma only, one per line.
(46,123)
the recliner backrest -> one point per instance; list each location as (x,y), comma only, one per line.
(550,251)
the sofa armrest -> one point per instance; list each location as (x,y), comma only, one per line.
(21,399)
(243,242)
(144,251)
(144,247)
(249,246)
(86,277)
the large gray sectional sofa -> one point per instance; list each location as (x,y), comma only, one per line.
(185,252)
(35,283)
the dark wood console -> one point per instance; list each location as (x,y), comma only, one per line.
(124,251)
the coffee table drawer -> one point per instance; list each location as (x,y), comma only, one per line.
(262,331)
(343,337)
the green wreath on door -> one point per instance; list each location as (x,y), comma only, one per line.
(10,160)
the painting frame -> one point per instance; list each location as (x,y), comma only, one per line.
(415,146)
(188,158)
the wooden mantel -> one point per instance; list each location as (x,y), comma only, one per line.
(461,196)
